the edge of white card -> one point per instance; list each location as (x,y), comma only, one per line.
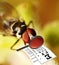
(34,57)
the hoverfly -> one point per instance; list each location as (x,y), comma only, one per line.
(19,29)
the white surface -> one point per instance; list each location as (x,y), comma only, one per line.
(36,55)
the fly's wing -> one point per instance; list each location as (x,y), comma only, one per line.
(4,29)
(5,26)
(7,12)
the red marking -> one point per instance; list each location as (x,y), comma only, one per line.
(33,43)
(31,31)
(25,37)
(36,42)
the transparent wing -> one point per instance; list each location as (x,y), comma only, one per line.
(7,12)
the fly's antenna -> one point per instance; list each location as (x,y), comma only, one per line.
(31,22)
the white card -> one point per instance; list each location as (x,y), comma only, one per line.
(39,55)
(32,56)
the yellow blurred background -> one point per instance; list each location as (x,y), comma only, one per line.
(45,16)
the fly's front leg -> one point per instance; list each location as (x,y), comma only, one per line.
(14,45)
(31,22)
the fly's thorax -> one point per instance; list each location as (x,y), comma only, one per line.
(18,28)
